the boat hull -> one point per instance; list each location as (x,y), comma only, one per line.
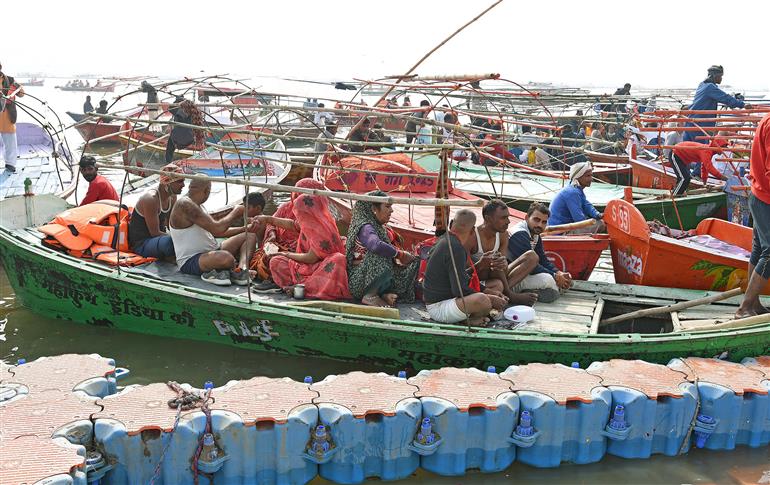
(59,286)
(641,257)
(90,130)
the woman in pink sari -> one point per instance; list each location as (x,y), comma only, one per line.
(319,261)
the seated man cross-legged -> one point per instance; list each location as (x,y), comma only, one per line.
(541,277)
(496,274)
(451,290)
(194,231)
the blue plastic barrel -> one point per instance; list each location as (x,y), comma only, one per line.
(375,446)
(477,438)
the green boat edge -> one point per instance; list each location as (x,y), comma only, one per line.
(59,286)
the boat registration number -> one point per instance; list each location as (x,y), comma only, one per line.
(261,330)
(630,262)
(622,218)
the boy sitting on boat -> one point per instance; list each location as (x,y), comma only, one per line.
(488,254)
(194,232)
(452,290)
(526,247)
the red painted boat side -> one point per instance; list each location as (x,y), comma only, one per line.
(641,257)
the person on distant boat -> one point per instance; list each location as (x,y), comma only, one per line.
(526,245)
(672,139)
(329,133)
(527,139)
(380,272)
(147,229)
(88,84)
(182,136)
(620,105)
(707,97)
(102,109)
(759,205)
(491,145)
(87,106)
(571,205)
(450,137)
(414,120)
(408,102)
(489,256)
(378,135)
(152,98)
(687,153)
(635,142)
(321,118)
(597,137)
(360,134)
(8,115)
(194,234)
(274,238)
(318,262)
(99,188)
(452,289)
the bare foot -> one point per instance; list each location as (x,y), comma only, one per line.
(390,299)
(289,290)
(744,313)
(528,299)
(478,322)
(373,300)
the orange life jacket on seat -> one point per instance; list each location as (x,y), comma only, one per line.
(95,231)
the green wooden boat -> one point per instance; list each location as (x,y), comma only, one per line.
(156,299)
(520,189)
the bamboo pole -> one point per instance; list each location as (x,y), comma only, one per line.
(673,308)
(301,190)
(740,322)
(569,227)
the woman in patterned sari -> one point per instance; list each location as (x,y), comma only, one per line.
(318,261)
(379,271)
(277,238)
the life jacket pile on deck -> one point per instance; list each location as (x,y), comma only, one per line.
(96,231)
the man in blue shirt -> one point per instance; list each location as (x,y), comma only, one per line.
(544,279)
(570,204)
(707,97)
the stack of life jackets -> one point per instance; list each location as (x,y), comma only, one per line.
(96,231)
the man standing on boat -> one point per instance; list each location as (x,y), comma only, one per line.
(687,153)
(707,97)
(194,233)
(451,289)
(525,247)
(489,258)
(571,205)
(147,234)
(759,205)
(99,188)
(87,106)
(8,114)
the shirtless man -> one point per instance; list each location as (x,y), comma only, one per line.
(147,234)
(194,231)
(489,256)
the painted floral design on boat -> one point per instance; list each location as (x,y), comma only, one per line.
(725,277)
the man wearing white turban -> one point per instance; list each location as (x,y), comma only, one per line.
(570,204)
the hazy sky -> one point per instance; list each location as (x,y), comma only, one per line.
(606,43)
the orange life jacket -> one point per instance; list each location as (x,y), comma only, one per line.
(94,231)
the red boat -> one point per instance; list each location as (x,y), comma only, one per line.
(713,256)
(650,174)
(90,130)
(405,178)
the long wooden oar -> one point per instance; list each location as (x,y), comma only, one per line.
(569,227)
(673,308)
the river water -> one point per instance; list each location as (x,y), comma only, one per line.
(25,334)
